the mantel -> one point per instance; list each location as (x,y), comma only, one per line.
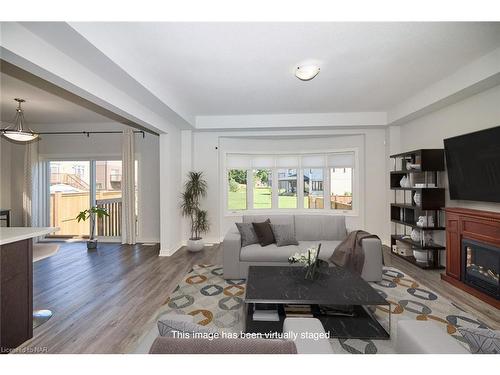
(495,216)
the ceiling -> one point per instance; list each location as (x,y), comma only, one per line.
(240,75)
(247,68)
(41,107)
(45,102)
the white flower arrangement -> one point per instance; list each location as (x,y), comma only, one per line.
(306,258)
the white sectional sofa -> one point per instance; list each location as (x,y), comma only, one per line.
(310,230)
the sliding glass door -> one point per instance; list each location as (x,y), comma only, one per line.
(78,185)
(108,187)
(69,194)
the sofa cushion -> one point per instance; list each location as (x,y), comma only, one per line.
(264,233)
(247,233)
(284,234)
(319,227)
(275,219)
(273,253)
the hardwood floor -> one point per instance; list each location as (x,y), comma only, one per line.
(102,301)
(432,279)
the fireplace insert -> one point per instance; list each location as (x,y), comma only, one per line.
(481,266)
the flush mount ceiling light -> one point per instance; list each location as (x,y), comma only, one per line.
(18,131)
(306,72)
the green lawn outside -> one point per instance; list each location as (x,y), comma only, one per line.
(261,198)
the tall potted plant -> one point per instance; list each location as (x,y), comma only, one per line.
(195,188)
(91,214)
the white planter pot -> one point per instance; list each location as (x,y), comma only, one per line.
(195,245)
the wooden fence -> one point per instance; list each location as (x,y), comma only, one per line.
(338,202)
(64,207)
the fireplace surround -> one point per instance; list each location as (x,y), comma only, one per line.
(472,252)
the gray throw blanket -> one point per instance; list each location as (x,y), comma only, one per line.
(349,253)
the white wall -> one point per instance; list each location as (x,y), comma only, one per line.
(12,179)
(477,112)
(373,213)
(97,145)
(4,173)
(171,238)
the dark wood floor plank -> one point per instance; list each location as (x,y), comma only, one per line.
(102,300)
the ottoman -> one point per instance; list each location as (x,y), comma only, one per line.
(424,337)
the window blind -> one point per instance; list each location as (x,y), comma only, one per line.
(341,160)
(247,161)
(310,161)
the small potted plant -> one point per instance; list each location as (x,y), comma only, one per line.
(194,189)
(309,260)
(91,214)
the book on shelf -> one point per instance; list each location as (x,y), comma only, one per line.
(300,311)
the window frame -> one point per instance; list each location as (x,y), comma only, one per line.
(356,191)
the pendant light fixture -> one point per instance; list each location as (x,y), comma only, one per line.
(18,130)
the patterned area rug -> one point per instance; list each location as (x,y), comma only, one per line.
(219,303)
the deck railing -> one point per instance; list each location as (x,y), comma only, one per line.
(110,225)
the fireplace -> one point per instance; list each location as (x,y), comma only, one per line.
(481,266)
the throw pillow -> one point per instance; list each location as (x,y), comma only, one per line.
(264,232)
(248,235)
(481,341)
(167,327)
(284,235)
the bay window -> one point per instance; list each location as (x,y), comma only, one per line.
(237,189)
(304,181)
(287,188)
(313,188)
(262,188)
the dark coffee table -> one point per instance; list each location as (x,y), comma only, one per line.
(280,285)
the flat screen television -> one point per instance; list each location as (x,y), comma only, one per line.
(473,165)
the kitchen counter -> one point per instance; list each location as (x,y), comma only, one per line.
(16,284)
(13,234)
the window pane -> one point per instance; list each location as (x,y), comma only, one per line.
(341,188)
(69,194)
(313,188)
(237,189)
(108,183)
(262,192)
(287,188)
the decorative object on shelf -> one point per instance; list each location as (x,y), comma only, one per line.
(194,189)
(412,166)
(18,130)
(417,198)
(421,256)
(394,249)
(416,235)
(428,239)
(423,185)
(405,182)
(425,221)
(403,249)
(91,214)
(309,260)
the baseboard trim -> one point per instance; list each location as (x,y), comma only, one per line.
(151,240)
(170,252)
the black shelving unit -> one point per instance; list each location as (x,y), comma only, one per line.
(420,167)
